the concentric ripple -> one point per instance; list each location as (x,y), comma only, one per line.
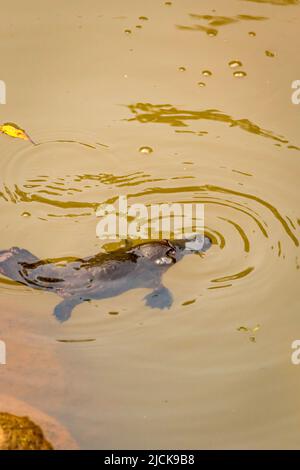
(56,187)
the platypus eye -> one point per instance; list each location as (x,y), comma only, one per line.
(171,253)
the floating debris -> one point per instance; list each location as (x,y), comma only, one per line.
(13,130)
(143,18)
(269,54)
(127,31)
(251,331)
(181,69)
(113,313)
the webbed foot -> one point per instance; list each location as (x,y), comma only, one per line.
(159,298)
(63,311)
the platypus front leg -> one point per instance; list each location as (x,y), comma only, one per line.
(63,311)
(160,298)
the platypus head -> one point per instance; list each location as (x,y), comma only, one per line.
(197,243)
(167,252)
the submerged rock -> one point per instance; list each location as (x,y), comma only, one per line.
(20,433)
(45,430)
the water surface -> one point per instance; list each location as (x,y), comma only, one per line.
(91,86)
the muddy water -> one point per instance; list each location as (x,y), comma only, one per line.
(208,88)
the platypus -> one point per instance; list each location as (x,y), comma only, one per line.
(103,275)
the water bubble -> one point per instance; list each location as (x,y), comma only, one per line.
(239,74)
(212,32)
(206,73)
(269,54)
(181,69)
(145,150)
(26,214)
(201,84)
(127,31)
(235,63)
(252,34)
(143,18)
(138,26)
(168,3)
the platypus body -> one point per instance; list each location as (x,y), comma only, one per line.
(103,275)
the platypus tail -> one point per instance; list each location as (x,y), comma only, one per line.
(11,263)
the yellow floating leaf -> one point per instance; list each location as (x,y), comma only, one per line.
(13,130)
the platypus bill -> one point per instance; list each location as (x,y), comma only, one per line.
(103,275)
